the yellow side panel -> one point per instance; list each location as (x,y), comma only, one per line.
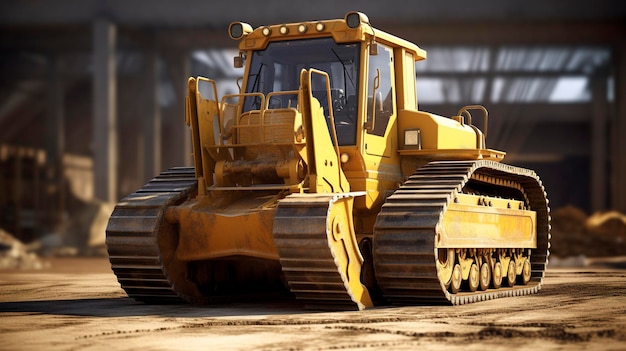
(472,226)
(436,132)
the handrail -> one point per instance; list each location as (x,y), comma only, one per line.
(244,95)
(199,93)
(269,96)
(465,111)
(239,105)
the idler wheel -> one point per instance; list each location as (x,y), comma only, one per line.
(456,279)
(473,281)
(511,275)
(496,275)
(525,276)
(485,276)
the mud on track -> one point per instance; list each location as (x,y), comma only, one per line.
(78,305)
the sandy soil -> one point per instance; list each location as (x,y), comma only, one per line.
(77,304)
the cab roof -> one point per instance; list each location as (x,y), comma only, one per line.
(354,27)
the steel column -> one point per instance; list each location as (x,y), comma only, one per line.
(599,136)
(618,191)
(104,110)
(151,119)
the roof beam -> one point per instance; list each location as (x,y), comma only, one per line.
(77,37)
(194,13)
(496,33)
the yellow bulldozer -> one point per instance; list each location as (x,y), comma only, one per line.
(321,180)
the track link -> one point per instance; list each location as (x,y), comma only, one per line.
(308,260)
(132,236)
(405,255)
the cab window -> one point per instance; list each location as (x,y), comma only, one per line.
(380,99)
(277,68)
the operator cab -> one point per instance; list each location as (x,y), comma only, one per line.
(278,66)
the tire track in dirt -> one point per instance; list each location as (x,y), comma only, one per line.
(554,332)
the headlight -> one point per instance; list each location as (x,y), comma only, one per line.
(412,138)
(237,30)
(354,19)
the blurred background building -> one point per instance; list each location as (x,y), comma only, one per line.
(92,91)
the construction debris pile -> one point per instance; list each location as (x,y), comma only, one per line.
(15,255)
(83,234)
(575,234)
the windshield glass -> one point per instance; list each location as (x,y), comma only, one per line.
(277,68)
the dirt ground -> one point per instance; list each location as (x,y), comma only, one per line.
(77,304)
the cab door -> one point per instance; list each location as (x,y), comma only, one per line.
(381,103)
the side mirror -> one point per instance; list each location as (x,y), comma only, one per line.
(373,48)
(240,60)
